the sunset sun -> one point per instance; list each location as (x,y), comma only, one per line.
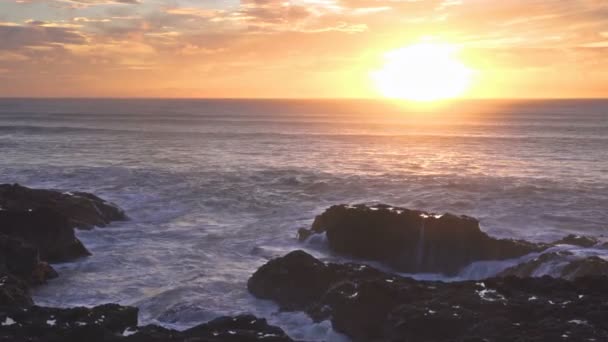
(422,72)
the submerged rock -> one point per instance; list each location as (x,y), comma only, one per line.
(562,264)
(577,240)
(370,305)
(112,322)
(82,210)
(413,241)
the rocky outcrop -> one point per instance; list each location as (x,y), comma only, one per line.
(37,225)
(370,305)
(46,230)
(112,322)
(82,210)
(561,264)
(22,260)
(412,241)
(45,219)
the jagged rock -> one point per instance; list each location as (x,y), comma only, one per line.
(82,210)
(44,229)
(112,322)
(413,241)
(370,305)
(561,264)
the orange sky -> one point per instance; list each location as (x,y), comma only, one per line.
(299,48)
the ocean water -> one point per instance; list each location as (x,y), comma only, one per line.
(216,188)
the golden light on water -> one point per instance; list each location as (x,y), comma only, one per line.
(425,71)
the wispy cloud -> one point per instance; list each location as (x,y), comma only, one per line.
(229,43)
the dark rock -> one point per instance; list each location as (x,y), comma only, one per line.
(562,264)
(370,305)
(589,266)
(75,324)
(113,322)
(531,267)
(577,240)
(240,328)
(14,292)
(82,210)
(45,229)
(413,241)
(304,234)
(277,279)
(22,260)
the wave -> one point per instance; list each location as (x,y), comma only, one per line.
(209,132)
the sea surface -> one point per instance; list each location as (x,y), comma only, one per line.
(214,188)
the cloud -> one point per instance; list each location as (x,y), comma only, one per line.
(36,33)
(177,40)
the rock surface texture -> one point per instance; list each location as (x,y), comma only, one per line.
(45,219)
(412,241)
(369,305)
(113,322)
(82,210)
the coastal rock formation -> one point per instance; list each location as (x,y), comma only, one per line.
(45,219)
(112,322)
(412,241)
(82,210)
(370,305)
(22,260)
(38,226)
(562,264)
(44,229)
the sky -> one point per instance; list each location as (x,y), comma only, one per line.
(294,49)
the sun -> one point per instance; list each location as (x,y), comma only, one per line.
(426,71)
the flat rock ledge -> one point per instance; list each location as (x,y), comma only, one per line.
(370,305)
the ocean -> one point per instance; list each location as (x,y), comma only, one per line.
(214,188)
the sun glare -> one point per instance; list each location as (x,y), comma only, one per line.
(423,72)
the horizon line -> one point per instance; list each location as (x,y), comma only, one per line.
(299,98)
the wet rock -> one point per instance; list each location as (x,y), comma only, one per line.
(279,277)
(413,241)
(100,323)
(240,328)
(45,229)
(113,322)
(82,210)
(370,305)
(22,260)
(585,267)
(14,292)
(577,240)
(562,264)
